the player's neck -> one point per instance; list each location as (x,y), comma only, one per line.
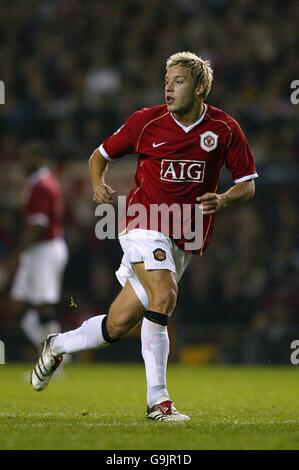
(189,118)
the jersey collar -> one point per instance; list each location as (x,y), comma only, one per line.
(189,128)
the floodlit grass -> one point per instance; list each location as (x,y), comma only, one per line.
(103,407)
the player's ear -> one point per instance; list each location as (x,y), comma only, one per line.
(199,90)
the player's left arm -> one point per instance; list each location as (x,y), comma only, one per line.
(240,163)
(237,194)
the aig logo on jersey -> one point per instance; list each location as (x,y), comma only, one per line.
(208,141)
(182,171)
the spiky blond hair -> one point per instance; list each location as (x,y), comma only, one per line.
(201,70)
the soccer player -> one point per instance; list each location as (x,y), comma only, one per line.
(182,146)
(41,254)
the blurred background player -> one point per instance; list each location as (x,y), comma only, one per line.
(41,255)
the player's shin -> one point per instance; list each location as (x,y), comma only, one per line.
(32,327)
(155,350)
(90,335)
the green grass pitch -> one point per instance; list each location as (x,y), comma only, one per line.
(103,407)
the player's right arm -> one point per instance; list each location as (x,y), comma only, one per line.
(122,142)
(98,167)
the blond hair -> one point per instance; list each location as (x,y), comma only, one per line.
(201,70)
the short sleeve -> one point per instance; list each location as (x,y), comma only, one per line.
(124,140)
(239,160)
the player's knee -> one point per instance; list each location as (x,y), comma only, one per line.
(116,328)
(163,301)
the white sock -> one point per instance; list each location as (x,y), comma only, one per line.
(155,350)
(52,326)
(87,336)
(32,327)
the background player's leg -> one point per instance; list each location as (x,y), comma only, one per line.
(48,319)
(32,327)
(47,266)
(161,288)
(29,321)
(124,314)
(36,321)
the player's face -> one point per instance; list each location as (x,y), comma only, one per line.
(180,92)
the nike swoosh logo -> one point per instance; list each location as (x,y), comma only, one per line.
(158,145)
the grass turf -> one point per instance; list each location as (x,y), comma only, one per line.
(103,407)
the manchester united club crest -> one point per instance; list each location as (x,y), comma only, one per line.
(159,254)
(208,141)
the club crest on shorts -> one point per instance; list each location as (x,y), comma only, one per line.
(208,141)
(159,254)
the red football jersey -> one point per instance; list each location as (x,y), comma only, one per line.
(44,203)
(177,163)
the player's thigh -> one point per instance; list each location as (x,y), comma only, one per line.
(126,310)
(156,282)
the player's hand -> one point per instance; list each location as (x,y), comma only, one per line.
(210,202)
(103,194)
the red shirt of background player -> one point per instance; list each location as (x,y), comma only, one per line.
(177,163)
(44,203)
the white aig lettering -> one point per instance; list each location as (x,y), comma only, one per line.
(186,171)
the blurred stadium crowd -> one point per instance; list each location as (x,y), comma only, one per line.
(74,70)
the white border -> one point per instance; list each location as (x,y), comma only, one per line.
(246,178)
(183,181)
(104,153)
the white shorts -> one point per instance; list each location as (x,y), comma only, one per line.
(38,279)
(156,251)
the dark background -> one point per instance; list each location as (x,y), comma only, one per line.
(73,71)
